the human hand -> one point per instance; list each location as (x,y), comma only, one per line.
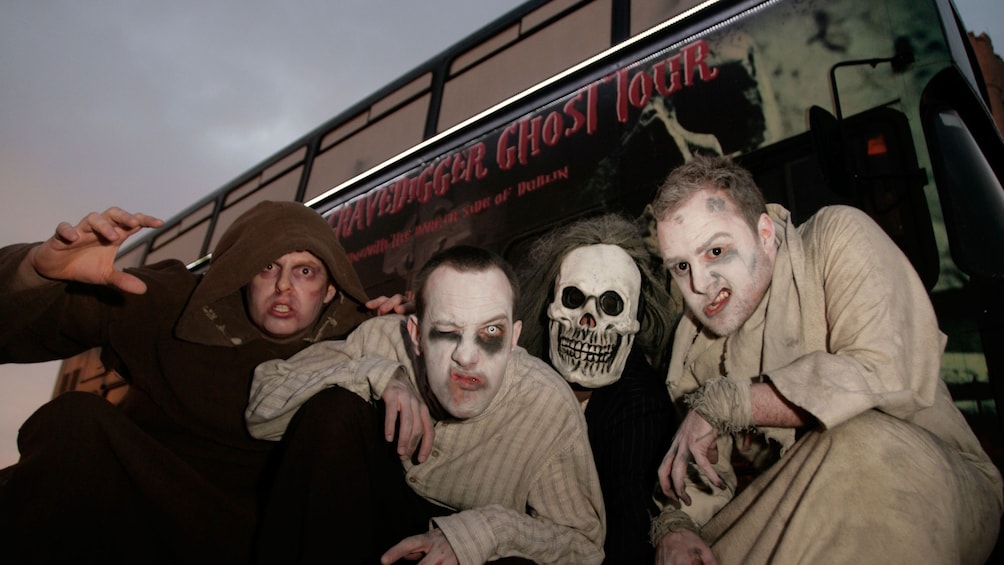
(683,547)
(432,548)
(406,410)
(86,252)
(694,438)
(397,304)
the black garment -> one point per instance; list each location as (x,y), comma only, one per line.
(170,474)
(74,497)
(631,425)
(341,494)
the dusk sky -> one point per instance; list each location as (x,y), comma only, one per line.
(151,106)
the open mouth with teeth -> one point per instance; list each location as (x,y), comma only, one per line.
(579,352)
(718,303)
(281,308)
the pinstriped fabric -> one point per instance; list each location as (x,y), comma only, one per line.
(281,386)
(631,424)
(520,475)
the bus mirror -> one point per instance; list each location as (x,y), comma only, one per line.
(902,55)
(901,59)
(829,148)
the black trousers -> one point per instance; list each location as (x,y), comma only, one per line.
(92,487)
(340,493)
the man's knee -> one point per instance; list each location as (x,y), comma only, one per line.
(70,445)
(875,436)
(68,418)
(331,413)
(75,404)
(882,450)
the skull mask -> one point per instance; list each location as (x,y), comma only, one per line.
(594,314)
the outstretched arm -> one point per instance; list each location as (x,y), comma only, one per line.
(372,362)
(86,252)
(696,437)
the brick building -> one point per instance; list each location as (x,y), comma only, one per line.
(993,74)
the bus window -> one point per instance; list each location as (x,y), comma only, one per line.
(282,165)
(131,258)
(185,239)
(186,245)
(649,13)
(887,183)
(368,147)
(535,57)
(283,188)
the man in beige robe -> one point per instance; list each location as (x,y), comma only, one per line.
(814,352)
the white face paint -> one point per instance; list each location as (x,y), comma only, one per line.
(594,316)
(466,337)
(722,267)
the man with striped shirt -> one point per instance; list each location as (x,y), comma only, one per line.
(503,467)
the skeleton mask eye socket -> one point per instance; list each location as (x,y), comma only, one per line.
(572,297)
(594,314)
(609,302)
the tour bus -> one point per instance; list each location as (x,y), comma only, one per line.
(566,109)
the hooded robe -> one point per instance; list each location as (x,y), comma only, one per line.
(170,472)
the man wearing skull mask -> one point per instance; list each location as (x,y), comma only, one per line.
(596,309)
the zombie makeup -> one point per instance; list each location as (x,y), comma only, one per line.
(287,296)
(722,266)
(466,337)
(490,339)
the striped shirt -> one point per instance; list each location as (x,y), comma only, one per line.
(520,475)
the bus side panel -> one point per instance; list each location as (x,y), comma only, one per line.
(740,87)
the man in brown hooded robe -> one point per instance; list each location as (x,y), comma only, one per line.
(170,475)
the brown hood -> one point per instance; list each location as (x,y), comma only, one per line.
(216,313)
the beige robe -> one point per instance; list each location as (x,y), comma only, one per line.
(893,474)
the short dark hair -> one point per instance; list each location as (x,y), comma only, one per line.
(716,173)
(466,259)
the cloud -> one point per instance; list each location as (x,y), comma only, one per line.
(152,105)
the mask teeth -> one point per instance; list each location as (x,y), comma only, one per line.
(576,349)
(604,360)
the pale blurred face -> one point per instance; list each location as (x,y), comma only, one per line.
(466,337)
(286,297)
(722,267)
